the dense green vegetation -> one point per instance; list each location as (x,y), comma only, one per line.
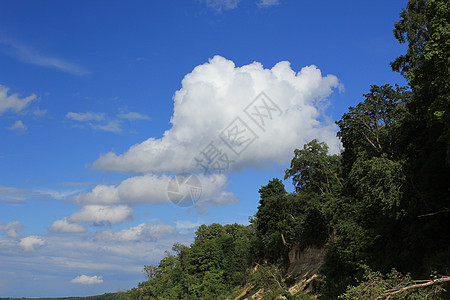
(380,207)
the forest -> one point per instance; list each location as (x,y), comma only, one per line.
(379,211)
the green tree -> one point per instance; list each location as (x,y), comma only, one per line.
(316,176)
(365,214)
(313,170)
(269,220)
(371,129)
(425,26)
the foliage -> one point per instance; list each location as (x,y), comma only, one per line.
(376,286)
(301,218)
(268,280)
(267,277)
(214,264)
(371,129)
(270,221)
(425,25)
(313,170)
(425,133)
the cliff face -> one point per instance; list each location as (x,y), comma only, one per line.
(303,267)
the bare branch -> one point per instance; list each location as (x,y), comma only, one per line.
(445,210)
(276,280)
(414,285)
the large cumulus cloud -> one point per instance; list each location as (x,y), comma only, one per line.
(217,92)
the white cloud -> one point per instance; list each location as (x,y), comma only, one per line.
(26,54)
(100,194)
(267,3)
(12,228)
(86,116)
(154,189)
(13,102)
(65,226)
(143,231)
(102,213)
(46,193)
(18,126)
(138,189)
(184,226)
(16,195)
(217,92)
(95,121)
(12,195)
(39,112)
(220,5)
(133,116)
(111,126)
(84,279)
(31,242)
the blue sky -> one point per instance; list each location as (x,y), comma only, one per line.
(103,102)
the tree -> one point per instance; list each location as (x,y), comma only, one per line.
(425,26)
(150,271)
(365,213)
(316,176)
(313,170)
(269,220)
(371,129)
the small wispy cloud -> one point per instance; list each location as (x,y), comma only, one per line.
(111,126)
(20,105)
(133,116)
(58,194)
(84,279)
(39,112)
(18,127)
(12,228)
(26,54)
(85,116)
(14,102)
(267,3)
(220,5)
(12,195)
(185,226)
(93,120)
(20,195)
(101,121)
